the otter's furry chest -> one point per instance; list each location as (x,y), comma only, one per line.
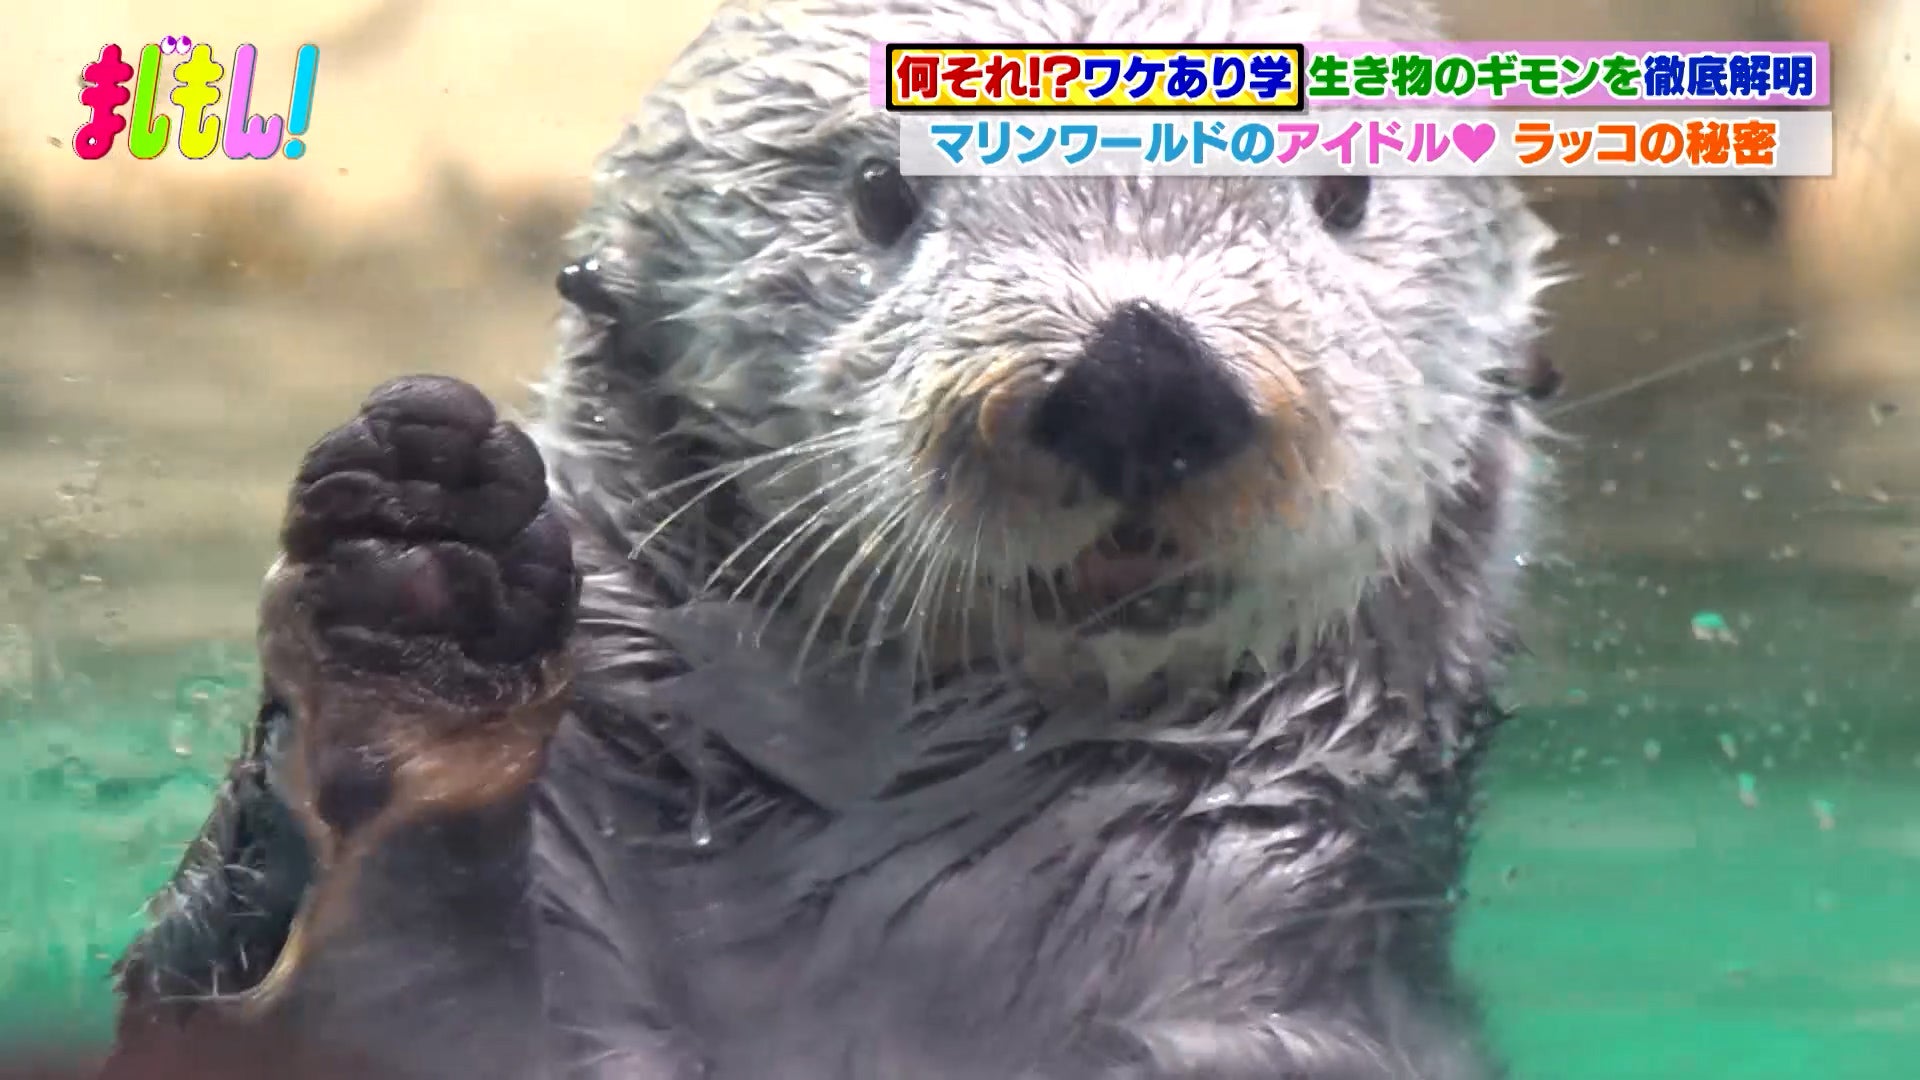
(1014,893)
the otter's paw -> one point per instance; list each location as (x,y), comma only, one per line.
(415,627)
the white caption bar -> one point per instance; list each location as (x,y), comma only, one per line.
(1541,142)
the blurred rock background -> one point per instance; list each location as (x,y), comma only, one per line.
(173,333)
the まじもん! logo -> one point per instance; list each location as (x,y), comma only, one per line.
(194,90)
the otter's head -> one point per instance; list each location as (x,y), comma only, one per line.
(1172,414)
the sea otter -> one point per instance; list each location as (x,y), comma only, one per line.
(933,630)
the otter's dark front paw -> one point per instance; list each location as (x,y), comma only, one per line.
(426,550)
(416,624)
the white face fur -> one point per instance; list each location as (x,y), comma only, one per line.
(914,360)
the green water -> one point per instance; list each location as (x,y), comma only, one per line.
(1637,908)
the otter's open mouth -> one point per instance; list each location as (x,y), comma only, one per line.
(1130,578)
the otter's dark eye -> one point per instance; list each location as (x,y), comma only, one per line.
(1341,201)
(884,205)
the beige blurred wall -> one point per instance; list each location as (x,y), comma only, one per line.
(1856,236)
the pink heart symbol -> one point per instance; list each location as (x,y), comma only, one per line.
(1474,140)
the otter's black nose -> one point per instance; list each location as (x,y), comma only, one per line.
(1143,407)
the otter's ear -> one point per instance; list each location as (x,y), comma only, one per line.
(583,284)
(1543,379)
(1537,381)
(614,318)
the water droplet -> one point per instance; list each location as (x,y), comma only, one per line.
(700,829)
(180,735)
(1651,750)
(1751,493)
(1729,746)
(1017,737)
(1749,791)
(1823,813)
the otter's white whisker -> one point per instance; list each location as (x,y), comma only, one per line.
(899,556)
(897,566)
(832,514)
(941,589)
(1672,370)
(895,517)
(913,553)
(824,490)
(934,538)
(734,467)
(970,589)
(730,473)
(874,475)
